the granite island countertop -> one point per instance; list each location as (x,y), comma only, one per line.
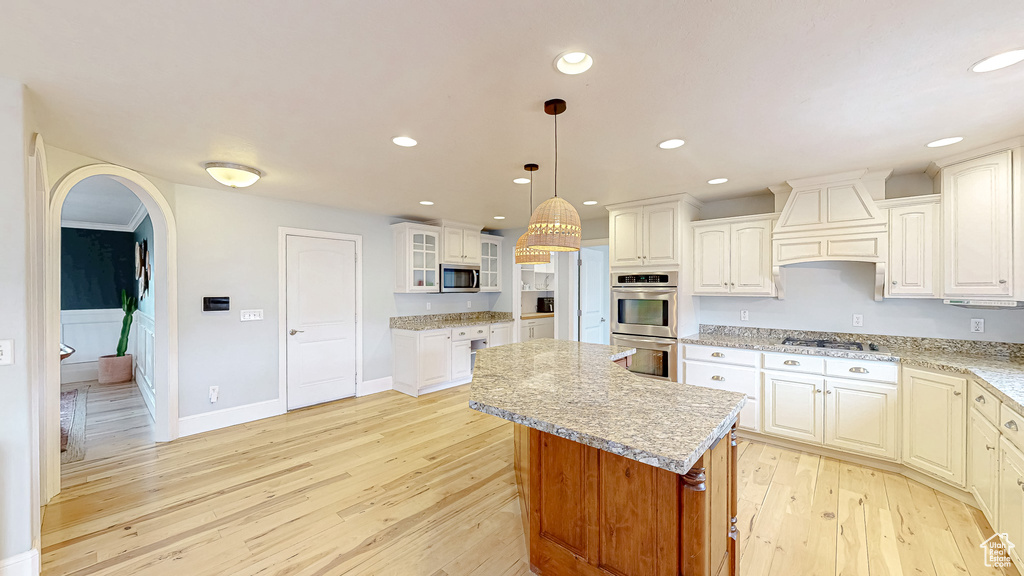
(575,391)
(997,365)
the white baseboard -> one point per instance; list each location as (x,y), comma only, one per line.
(24,564)
(374,386)
(79,372)
(217,419)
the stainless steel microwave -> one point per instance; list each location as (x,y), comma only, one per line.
(460,278)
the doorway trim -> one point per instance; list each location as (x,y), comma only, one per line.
(282,304)
(165,306)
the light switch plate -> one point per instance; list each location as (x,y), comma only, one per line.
(252,315)
(858,320)
(6,352)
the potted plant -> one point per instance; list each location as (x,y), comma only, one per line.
(118,367)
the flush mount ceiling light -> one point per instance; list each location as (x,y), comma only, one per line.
(233,175)
(525,254)
(522,180)
(404,141)
(999,61)
(426,202)
(499,217)
(718,181)
(555,224)
(671,144)
(590,202)
(573,62)
(945,142)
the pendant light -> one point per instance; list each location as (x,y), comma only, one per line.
(555,225)
(525,254)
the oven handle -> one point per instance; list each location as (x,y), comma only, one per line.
(647,290)
(657,341)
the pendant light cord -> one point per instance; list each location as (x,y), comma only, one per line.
(556,155)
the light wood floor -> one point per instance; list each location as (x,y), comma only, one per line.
(389,484)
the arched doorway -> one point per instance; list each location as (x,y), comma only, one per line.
(165,373)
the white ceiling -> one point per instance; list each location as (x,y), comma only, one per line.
(312,93)
(102,202)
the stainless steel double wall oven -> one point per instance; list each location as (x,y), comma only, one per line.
(644,317)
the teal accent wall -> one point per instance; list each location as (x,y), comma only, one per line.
(145,232)
(95,266)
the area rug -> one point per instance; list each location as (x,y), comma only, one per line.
(72,424)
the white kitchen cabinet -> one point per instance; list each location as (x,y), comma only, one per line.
(460,243)
(644,235)
(977,208)
(934,432)
(462,359)
(536,328)
(914,248)
(1011,496)
(417,256)
(983,464)
(794,406)
(500,334)
(733,379)
(861,417)
(420,359)
(490,263)
(733,256)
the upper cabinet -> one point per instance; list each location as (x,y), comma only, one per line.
(914,247)
(648,234)
(460,243)
(417,253)
(733,256)
(490,263)
(977,218)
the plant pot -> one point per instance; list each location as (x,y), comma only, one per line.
(114,369)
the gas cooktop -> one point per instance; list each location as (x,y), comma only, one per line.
(833,345)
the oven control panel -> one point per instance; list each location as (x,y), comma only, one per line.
(647,279)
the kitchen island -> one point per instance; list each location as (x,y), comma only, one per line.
(617,473)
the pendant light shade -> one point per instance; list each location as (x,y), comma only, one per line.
(525,254)
(555,224)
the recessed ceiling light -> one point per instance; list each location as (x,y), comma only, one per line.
(590,202)
(670,144)
(718,181)
(574,62)
(522,180)
(426,202)
(499,217)
(233,175)
(404,141)
(999,61)
(945,142)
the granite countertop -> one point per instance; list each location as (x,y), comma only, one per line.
(575,391)
(1002,373)
(439,321)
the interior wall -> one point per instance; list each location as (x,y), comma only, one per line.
(746,206)
(145,232)
(95,265)
(825,296)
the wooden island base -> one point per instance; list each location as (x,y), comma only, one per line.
(588,512)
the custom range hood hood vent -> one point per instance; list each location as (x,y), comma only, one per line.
(831,218)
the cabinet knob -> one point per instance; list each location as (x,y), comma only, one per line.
(1020,483)
(1002,281)
(1011,425)
(638,257)
(987,447)
(957,393)
(817,391)
(718,378)
(980,399)
(894,282)
(859,370)
(791,363)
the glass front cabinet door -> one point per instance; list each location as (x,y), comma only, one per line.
(490,263)
(416,258)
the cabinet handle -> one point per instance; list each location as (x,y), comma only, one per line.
(859,370)
(957,393)
(638,257)
(828,392)
(980,400)
(987,447)
(791,363)
(1011,425)
(718,378)
(1002,281)
(1020,483)
(462,333)
(817,391)
(718,355)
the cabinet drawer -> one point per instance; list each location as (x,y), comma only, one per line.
(720,377)
(795,363)
(862,370)
(985,402)
(470,332)
(1011,424)
(724,355)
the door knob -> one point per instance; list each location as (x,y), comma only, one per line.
(293,331)
(603,320)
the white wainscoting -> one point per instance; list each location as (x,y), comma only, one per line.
(92,333)
(145,347)
(24,564)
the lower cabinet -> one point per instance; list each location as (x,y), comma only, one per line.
(1011,497)
(983,464)
(934,431)
(432,358)
(794,406)
(462,359)
(861,417)
(537,328)
(501,334)
(734,379)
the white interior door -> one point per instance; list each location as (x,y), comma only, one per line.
(321,320)
(595,295)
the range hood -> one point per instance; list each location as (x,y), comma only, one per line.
(831,218)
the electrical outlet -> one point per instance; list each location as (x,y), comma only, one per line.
(252,315)
(858,320)
(977,324)
(214,393)
(469,303)
(6,352)
(428,306)
(744,315)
